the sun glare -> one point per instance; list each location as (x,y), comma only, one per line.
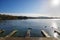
(54,25)
(54,2)
(55,35)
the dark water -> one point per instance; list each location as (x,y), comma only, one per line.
(36,24)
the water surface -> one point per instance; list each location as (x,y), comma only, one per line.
(36,24)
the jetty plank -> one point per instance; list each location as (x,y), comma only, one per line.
(57,31)
(45,33)
(31,38)
(11,34)
(28,32)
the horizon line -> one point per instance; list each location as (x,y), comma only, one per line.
(28,14)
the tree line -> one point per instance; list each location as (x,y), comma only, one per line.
(8,17)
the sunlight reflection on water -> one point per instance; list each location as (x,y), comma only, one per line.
(55,35)
(55,27)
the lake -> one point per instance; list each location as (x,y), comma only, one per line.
(36,24)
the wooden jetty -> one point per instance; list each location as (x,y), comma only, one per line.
(28,32)
(57,31)
(11,34)
(45,33)
(27,37)
(30,38)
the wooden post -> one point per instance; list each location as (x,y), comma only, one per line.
(27,37)
(28,32)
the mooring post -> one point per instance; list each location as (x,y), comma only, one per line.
(27,37)
(28,32)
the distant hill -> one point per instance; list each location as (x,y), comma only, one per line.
(10,17)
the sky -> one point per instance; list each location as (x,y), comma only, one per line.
(30,7)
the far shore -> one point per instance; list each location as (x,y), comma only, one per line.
(10,17)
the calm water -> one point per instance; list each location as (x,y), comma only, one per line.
(36,24)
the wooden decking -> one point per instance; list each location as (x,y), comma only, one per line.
(28,38)
(45,33)
(11,34)
(57,31)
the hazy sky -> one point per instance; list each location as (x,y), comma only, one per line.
(30,7)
